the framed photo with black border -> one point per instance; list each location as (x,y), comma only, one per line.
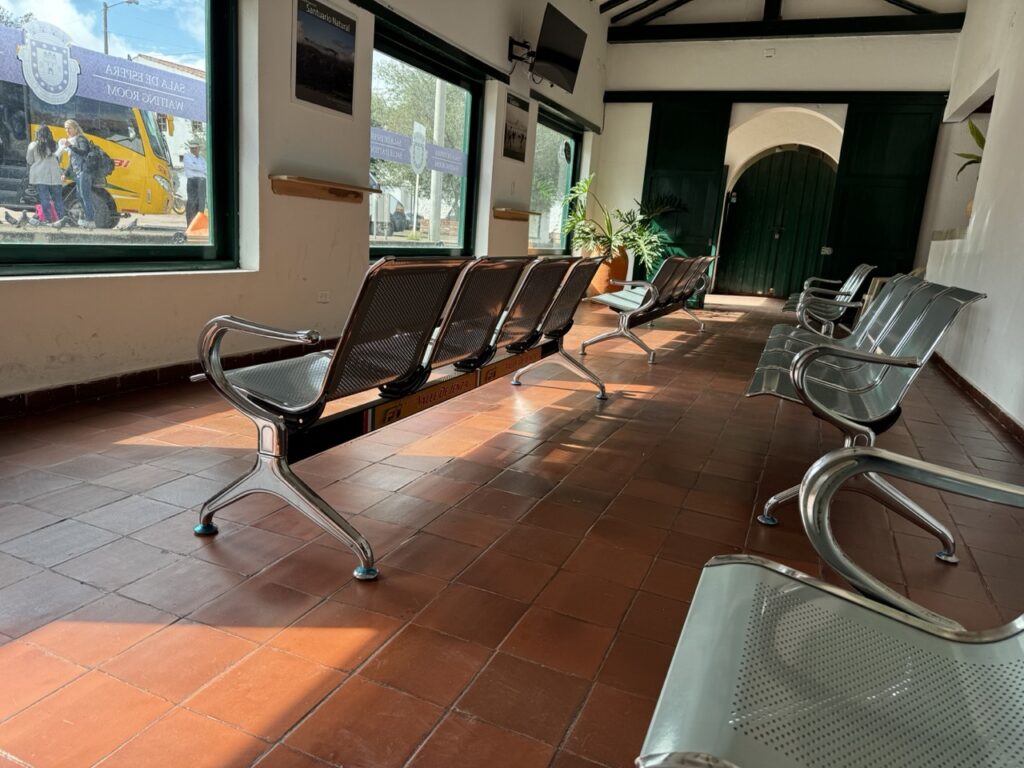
(517,127)
(323,57)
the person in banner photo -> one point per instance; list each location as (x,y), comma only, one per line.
(195,181)
(45,175)
(77,147)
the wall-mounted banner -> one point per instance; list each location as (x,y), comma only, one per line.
(42,57)
(517,121)
(325,56)
(396,148)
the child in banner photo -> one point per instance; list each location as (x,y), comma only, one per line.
(45,175)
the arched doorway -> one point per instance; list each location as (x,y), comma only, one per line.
(776,222)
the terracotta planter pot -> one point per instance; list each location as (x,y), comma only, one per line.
(615,268)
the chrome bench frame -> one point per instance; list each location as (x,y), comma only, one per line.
(698,725)
(676,281)
(858,379)
(825,306)
(454,321)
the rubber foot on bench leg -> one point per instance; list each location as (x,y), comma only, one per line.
(205,529)
(517,383)
(601,396)
(363,573)
(947,557)
(766,519)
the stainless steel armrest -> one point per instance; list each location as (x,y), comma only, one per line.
(805,310)
(800,367)
(652,294)
(812,280)
(828,474)
(821,291)
(209,356)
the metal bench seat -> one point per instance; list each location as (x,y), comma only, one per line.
(410,316)
(859,387)
(776,669)
(678,279)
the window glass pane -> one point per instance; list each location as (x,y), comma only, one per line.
(141,113)
(553,161)
(419,140)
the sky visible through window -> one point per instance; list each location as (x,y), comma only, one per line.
(168,29)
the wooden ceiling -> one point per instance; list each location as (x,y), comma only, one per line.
(652,20)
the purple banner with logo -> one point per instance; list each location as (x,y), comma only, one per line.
(100,77)
(395,148)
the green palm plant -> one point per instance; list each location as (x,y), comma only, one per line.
(970,157)
(611,229)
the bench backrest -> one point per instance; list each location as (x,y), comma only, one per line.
(396,311)
(560,314)
(883,311)
(476,306)
(533,296)
(848,290)
(667,274)
(688,281)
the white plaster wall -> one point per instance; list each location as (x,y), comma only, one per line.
(623,156)
(985,345)
(887,62)
(66,330)
(755,128)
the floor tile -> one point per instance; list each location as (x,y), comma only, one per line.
(593,600)
(139,478)
(12,569)
(569,520)
(77,499)
(597,559)
(644,539)
(185,738)
(256,609)
(40,598)
(468,527)
(472,614)
(30,674)
(186,492)
(459,740)
(183,586)
(90,466)
(337,635)
(433,556)
(57,543)
(405,510)
(82,722)
(314,569)
(354,726)
(117,564)
(507,575)
(525,697)
(532,542)
(636,665)
(384,476)
(283,756)
(395,592)
(671,579)
(129,515)
(266,693)
(655,617)
(31,484)
(100,630)
(178,660)
(452,664)
(17,520)
(560,642)
(611,728)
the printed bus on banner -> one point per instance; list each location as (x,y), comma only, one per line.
(127,109)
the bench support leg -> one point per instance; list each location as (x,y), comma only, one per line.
(271,474)
(566,361)
(619,333)
(700,323)
(767,517)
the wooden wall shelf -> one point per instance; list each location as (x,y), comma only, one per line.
(318,189)
(513,214)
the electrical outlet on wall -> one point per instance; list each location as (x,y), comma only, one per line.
(323,297)
(769,53)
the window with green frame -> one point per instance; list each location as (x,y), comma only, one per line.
(556,159)
(118,146)
(424,132)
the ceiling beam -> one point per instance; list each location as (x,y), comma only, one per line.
(856,26)
(608,5)
(630,11)
(909,6)
(772,10)
(660,12)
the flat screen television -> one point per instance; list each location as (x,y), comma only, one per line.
(559,50)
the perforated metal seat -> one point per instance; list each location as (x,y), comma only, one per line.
(858,387)
(677,280)
(775,669)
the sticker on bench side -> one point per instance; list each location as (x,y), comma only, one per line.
(395,410)
(509,365)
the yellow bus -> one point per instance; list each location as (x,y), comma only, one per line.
(141,181)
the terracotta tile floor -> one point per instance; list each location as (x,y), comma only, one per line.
(537,548)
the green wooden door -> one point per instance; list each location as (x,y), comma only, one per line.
(883,175)
(685,157)
(776,222)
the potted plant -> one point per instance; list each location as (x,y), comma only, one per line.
(970,157)
(612,233)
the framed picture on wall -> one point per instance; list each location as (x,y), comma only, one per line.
(324,56)
(517,122)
